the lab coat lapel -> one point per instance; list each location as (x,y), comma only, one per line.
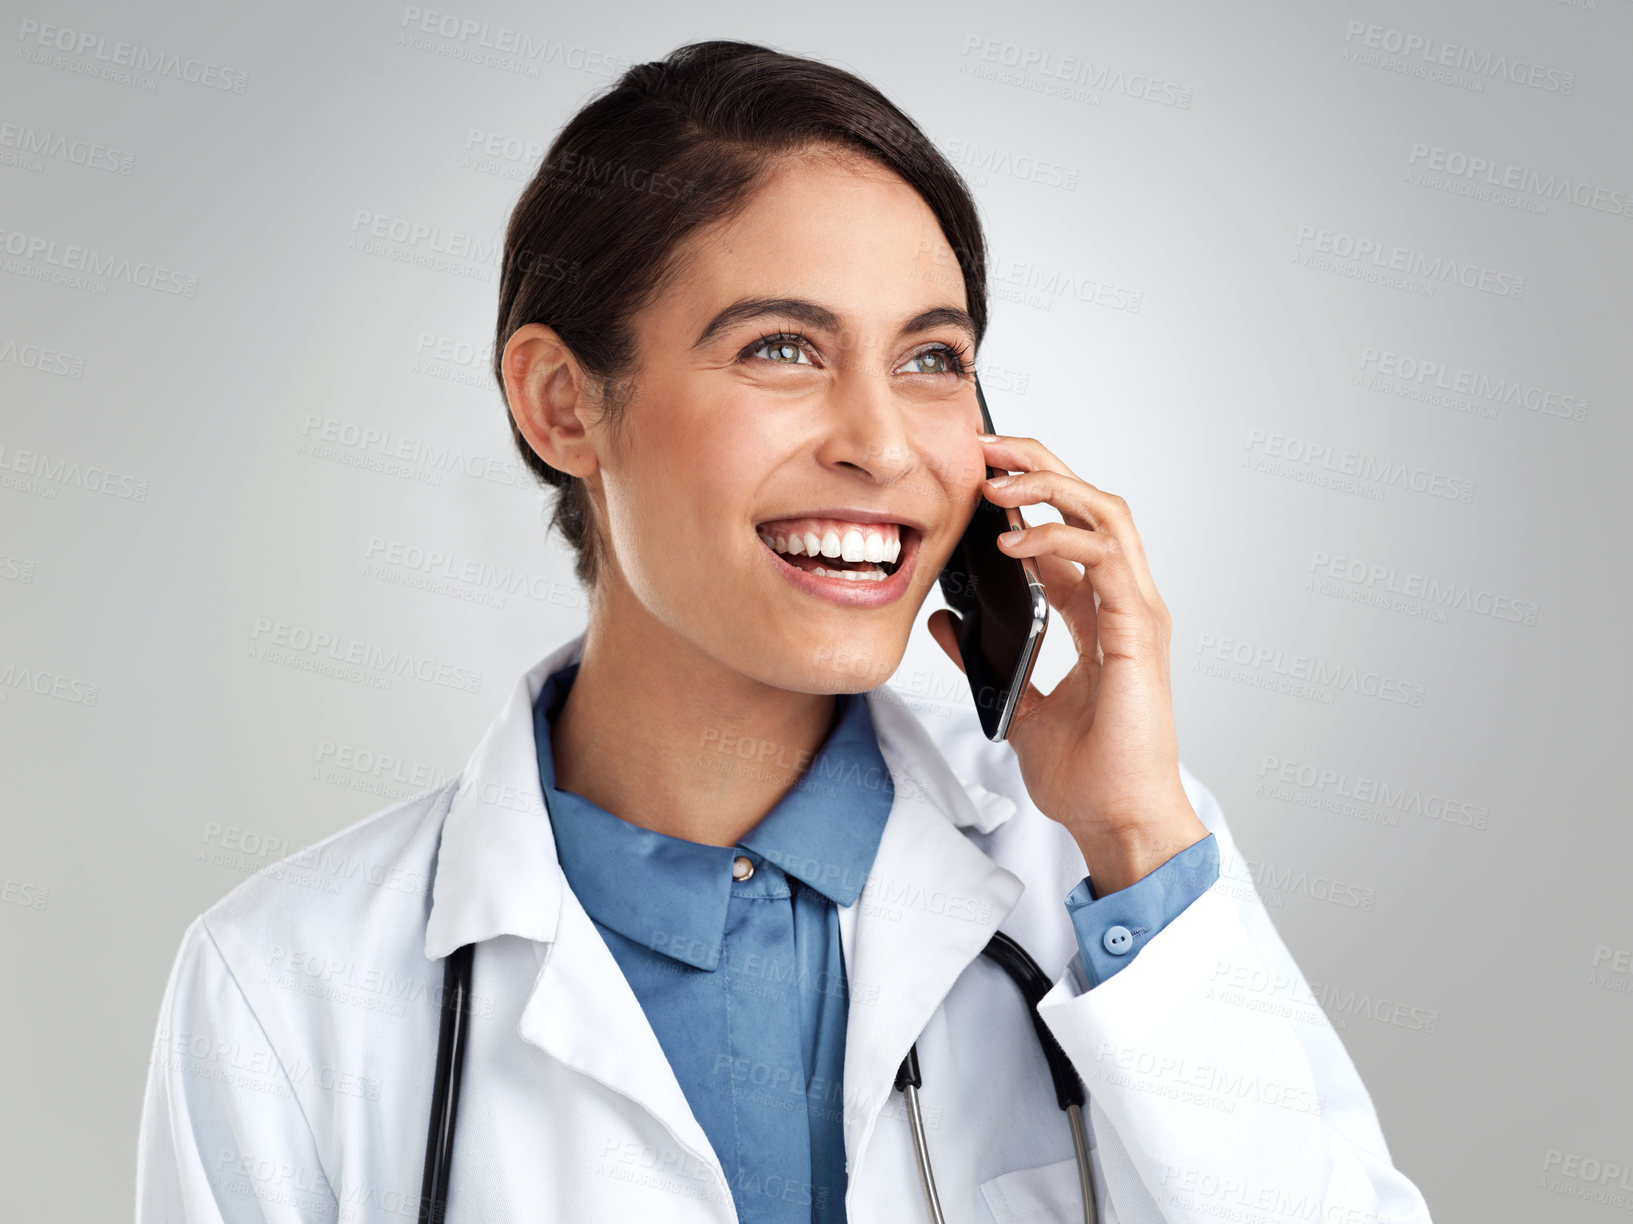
(497,874)
(583,1012)
(929,907)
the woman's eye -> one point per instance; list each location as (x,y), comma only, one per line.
(790,349)
(780,350)
(941,359)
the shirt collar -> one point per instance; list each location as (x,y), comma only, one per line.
(672,895)
(497,871)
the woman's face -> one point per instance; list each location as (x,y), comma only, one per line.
(837,418)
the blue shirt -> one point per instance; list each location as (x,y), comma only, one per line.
(1138,911)
(734,951)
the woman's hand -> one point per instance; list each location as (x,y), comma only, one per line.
(1099,753)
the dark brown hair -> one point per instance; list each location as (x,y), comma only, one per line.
(670,146)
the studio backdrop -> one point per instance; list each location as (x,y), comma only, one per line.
(1336,295)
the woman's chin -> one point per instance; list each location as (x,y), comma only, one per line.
(830,662)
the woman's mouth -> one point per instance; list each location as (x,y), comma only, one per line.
(848,561)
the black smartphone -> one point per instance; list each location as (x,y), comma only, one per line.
(1002,606)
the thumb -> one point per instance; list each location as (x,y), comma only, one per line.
(944,626)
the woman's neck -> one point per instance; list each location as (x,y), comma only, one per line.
(668,738)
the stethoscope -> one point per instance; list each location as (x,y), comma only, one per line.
(1009,955)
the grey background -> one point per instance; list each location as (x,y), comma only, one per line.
(1463,930)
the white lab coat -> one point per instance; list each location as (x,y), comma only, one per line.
(293,1065)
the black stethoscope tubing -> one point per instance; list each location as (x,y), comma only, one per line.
(439,1139)
(1009,955)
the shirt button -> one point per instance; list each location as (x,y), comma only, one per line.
(742,867)
(1118,940)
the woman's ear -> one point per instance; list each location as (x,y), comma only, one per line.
(550,399)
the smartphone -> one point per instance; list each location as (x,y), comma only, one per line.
(1002,606)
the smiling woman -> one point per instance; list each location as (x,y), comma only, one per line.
(683,145)
(709,899)
(809,358)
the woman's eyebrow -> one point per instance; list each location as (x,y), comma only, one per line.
(810,314)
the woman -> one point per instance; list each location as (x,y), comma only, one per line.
(718,877)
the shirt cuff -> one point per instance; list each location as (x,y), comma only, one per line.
(1111,930)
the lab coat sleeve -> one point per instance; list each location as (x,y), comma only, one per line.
(1141,910)
(1217,1087)
(224,1139)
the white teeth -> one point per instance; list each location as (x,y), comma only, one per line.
(851,575)
(854,544)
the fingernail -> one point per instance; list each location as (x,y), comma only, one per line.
(987,437)
(999,482)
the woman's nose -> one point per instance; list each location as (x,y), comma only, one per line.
(868,430)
